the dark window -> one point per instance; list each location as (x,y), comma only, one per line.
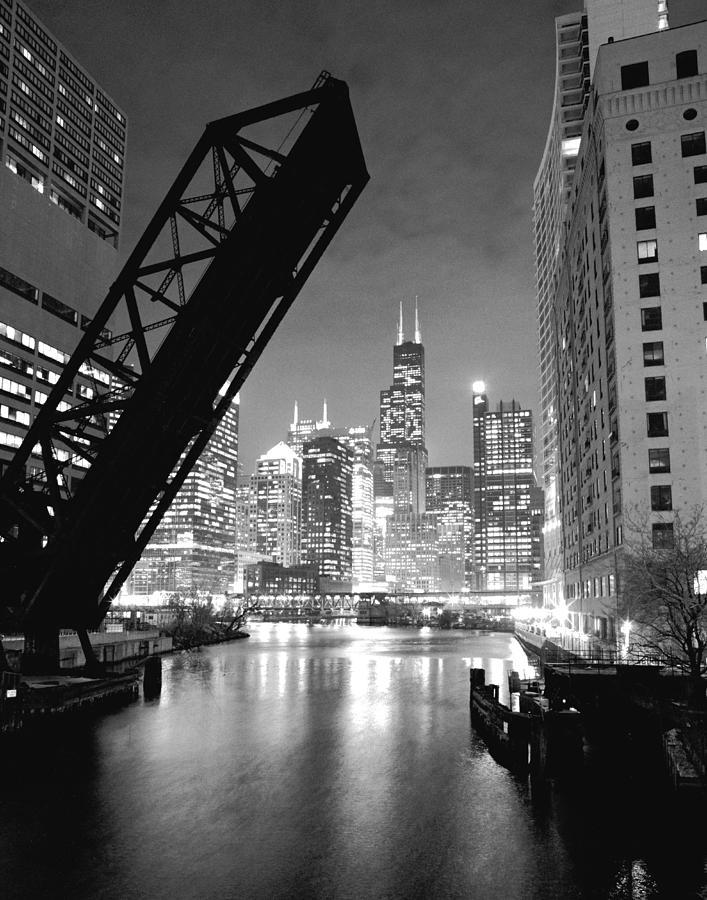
(645,217)
(632,125)
(704,310)
(693,144)
(700,174)
(642,186)
(649,285)
(659,459)
(651,318)
(653,354)
(703,274)
(634,76)
(661,497)
(641,153)
(690,114)
(686,63)
(663,535)
(655,388)
(657,424)
(701,206)
(59,309)
(18,286)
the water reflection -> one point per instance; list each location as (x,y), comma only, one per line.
(322,762)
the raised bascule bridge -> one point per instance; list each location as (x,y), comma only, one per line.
(207,284)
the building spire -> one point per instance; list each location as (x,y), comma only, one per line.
(401,336)
(418,336)
(325,421)
(295,420)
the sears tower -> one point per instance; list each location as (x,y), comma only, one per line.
(402,422)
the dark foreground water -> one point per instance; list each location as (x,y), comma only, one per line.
(323,762)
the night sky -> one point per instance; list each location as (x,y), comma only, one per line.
(452,100)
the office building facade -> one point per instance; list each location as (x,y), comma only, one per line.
(503,479)
(62,153)
(449,495)
(275,511)
(327,524)
(194,546)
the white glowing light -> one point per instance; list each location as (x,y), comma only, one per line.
(479,387)
(570,146)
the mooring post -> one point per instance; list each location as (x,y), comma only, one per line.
(152,677)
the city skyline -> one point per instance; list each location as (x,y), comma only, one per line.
(453,148)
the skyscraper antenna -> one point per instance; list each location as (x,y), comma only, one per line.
(418,337)
(295,421)
(401,337)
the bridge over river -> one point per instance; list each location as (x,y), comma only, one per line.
(489,604)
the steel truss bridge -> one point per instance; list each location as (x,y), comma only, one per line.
(229,249)
(348,604)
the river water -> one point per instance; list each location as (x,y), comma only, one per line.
(330,761)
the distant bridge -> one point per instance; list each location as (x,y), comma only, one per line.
(346,605)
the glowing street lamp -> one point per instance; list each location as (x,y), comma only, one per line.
(626,632)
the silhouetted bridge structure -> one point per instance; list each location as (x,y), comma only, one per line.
(211,278)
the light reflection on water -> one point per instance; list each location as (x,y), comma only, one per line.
(322,762)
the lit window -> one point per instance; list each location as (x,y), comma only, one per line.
(659,460)
(653,354)
(702,240)
(647,252)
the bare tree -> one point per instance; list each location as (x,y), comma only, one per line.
(664,591)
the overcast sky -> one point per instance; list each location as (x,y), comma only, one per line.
(452,100)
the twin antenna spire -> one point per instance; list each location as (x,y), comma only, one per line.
(401,336)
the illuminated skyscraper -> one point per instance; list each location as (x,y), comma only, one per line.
(401,460)
(327,527)
(194,546)
(62,149)
(302,430)
(503,479)
(449,496)
(578,37)
(275,512)
(402,405)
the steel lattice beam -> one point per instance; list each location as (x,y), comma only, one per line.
(243,226)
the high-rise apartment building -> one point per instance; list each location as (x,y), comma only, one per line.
(449,495)
(631,314)
(194,546)
(327,527)
(578,37)
(503,479)
(62,152)
(275,513)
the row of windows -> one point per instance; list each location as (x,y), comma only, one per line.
(57,308)
(692,144)
(637,75)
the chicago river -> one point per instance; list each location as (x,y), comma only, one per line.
(326,761)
